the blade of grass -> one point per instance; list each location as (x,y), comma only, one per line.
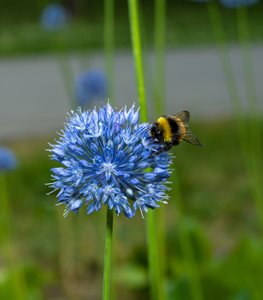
(19,286)
(109,45)
(218,31)
(137,53)
(242,128)
(159,101)
(153,257)
(248,142)
(185,244)
(254,134)
(66,226)
(67,253)
(243,35)
(159,45)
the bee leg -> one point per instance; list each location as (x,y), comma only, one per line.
(167,147)
(175,140)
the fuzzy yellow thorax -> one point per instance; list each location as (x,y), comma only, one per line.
(164,124)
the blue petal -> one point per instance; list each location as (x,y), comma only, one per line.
(76,205)
(150,176)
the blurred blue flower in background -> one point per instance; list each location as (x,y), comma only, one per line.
(201,1)
(237,3)
(7,159)
(54,17)
(107,159)
(91,86)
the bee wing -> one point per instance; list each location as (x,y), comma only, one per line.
(191,138)
(183,116)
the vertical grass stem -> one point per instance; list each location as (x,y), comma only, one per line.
(109,44)
(187,247)
(159,44)
(137,53)
(159,101)
(153,257)
(246,133)
(254,161)
(9,249)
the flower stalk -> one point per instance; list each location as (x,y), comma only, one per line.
(107,255)
(109,64)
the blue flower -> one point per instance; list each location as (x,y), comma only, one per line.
(7,159)
(107,159)
(201,1)
(237,3)
(54,17)
(90,86)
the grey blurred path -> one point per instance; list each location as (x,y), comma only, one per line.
(33,99)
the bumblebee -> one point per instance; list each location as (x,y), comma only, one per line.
(171,130)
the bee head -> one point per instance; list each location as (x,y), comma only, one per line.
(156,132)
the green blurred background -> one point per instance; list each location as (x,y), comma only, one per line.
(214,219)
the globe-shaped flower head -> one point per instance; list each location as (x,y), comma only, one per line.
(7,160)
(108,159)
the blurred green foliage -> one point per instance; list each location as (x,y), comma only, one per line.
(214,213)
(217,216)
(86,29)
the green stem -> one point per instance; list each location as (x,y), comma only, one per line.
(160,221)
(153,257)
(109,44)
(137,53)
(249,141)
(67,253)
(186,245)
(107,255)
(66,226)
(17,276)
(159,41)
(154,263)
(4,212)
(243,34)
(217,27)
(254,135)
(159,101)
